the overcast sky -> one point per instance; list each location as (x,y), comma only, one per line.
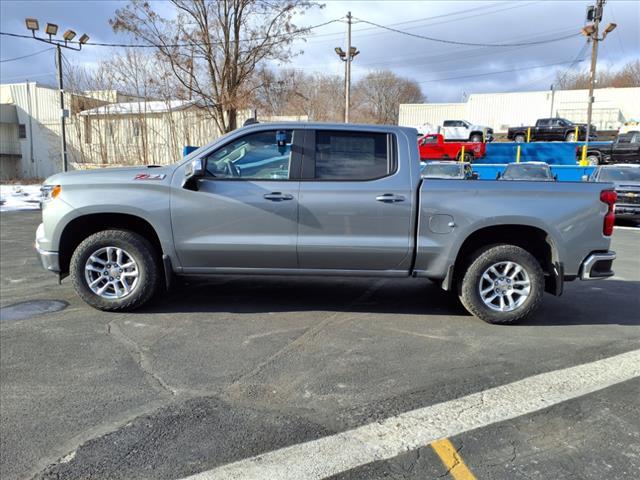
(445,72)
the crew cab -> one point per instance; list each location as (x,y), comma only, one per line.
(550,129)
(624,149)
(433,147)
(464,130)
(321,200)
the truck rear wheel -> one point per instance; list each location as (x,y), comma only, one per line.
(468,157)
(570,137)
(115,270)
(503,284)
(519,138)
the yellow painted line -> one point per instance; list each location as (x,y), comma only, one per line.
(452,460)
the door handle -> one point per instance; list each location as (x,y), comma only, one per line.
(277,196)
(390,198)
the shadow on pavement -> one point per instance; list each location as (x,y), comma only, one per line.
(584,303)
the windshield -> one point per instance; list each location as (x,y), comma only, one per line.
(527,172)
(438,170)
(619,174)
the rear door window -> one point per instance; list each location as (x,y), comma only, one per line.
(341,155)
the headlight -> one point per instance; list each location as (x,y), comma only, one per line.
(49,192)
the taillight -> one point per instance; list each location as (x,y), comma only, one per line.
(609,197)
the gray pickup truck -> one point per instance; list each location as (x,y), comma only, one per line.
(322,199)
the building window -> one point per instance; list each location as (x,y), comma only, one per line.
(136,128)
(22,131)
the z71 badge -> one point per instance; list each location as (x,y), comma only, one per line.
(149,176)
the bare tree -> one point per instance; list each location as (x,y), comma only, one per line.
(319,96)
(627,76)
(377,97)
(213,47)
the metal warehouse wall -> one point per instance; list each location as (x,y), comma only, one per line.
(612,107)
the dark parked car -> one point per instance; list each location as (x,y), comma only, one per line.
(626,179)
(624,149)
(532,171)
(549,129)
(454,170)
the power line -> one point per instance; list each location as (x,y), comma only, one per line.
(26,56)
(485,8)
(448,56)
(178,45)
(454,42)
(497,72)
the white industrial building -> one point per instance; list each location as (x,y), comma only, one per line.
(612,107)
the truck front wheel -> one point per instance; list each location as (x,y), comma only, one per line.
(115,270)
(503,284)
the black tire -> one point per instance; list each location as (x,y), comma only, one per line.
(476,137)
(519,138)
(468,157)
(469,287)
(593,159)
(139,248)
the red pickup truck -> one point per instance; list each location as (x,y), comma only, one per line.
(433,147)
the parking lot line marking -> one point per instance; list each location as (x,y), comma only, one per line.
(452,460)
(386,439)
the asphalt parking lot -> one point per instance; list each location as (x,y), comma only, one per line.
(232,368)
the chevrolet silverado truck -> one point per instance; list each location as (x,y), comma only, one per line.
(624,149)
(321,199)
(626,181)
(433,147)
(463,130)
(551,129)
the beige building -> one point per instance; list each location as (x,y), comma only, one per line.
(612,107)
(104,128)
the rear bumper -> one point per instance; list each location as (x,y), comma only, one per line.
(597,266)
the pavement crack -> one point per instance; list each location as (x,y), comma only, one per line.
(308,335)
(142,360)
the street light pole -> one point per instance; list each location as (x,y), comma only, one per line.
(68,36)
(591,31)
(63,136)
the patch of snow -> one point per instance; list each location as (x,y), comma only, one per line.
(19,197)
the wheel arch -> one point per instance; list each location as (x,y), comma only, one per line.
(534,240)
(83,226)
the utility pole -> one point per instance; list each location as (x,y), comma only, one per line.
(347,72)
(63,135)
(594,59)
(594,14)
(347,57)
(553,94)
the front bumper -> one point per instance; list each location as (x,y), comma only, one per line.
(50,260)
(597,266)
(629,212)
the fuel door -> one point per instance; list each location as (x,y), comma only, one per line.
(442,224)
